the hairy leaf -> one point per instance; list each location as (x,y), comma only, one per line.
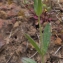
(46,37)
(28,60)
(35,5)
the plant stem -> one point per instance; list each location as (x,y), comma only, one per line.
(41,41)
(40,30)
(24,2)
(42,59)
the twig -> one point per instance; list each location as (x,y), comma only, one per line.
(10,58)
(33,55)
(58,17)
(9,37)
(11,33)
(38,39)
(59,4)
(57,50)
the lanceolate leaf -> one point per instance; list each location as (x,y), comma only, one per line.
(33,43)
(46,37)
(38,7)
(28,60)
(35,5)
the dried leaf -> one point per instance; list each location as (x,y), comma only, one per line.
(1,23)
(10,1)
(24,13)
(58,41)
(3,14)
(11,13)
(2,42)
(16,24)
(21,13)
(60,1)
(61,36)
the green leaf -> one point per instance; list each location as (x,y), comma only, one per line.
(28,60)
(33,43)
(44,5)
(35,5)
(46,37)
(38,7)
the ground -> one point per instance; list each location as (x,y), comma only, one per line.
(18,18)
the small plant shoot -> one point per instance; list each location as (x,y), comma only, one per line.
(44,37)
(28,60)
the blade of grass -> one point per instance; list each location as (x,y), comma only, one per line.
(33,43)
